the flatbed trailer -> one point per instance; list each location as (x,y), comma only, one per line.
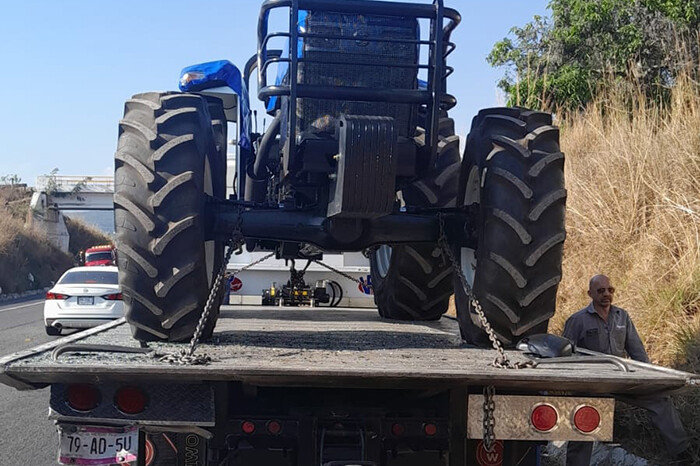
(319,387)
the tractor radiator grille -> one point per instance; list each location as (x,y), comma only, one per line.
(363,63)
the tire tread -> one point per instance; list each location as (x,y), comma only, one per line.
(521,225)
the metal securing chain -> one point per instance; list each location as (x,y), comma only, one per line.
(501,360)
(343,274)
(187,356)
(489,422)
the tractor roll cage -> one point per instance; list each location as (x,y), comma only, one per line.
(440,47)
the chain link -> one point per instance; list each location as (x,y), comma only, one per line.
(489,422)
(187,356)
(252,264)
(343,274)
(501,361)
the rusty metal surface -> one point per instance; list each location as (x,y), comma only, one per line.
(326,347)
(512,415)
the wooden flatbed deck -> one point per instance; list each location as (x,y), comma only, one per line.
(327,347)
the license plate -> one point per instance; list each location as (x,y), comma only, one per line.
(88,300)
(97,444)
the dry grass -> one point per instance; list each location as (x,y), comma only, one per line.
(23,252)
(83,235)
(633,213)
(14,200)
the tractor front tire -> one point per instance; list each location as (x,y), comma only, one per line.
(513,177)
(164,173)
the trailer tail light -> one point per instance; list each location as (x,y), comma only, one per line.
(430,429)
(113,297)
(397,429)
(274,427)
(544,417)
(248,427)
(50,295)
(82,397)
(130,400)
(586,419)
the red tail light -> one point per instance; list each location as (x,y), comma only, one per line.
(397,429)
(130,400)
(430,429)
(50,295)
(248,427)
(586,419)
(82,396)
(113,297)
(544,418)
(274,427)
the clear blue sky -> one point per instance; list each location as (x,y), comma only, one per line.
(70,65)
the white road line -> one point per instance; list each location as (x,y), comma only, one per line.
(20,307)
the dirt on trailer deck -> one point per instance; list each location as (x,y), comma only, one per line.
(327,347)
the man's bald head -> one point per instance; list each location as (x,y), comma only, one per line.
(601,291)
(596,280)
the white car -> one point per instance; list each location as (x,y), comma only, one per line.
(83,297)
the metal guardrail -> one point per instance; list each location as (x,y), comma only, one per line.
(71,183)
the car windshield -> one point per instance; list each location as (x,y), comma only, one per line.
(102,277)
(98,256)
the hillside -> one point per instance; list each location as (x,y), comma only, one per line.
(27,260)
(633,213)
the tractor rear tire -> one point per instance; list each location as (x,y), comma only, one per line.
(414,281)
(164,173)
(513,177)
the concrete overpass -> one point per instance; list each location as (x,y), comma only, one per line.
(55,194)
(74,192)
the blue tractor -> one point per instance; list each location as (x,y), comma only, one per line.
(360,155)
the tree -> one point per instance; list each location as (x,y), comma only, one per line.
(51,183)
(561,62)
(11,179)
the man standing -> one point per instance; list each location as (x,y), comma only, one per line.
(608,329)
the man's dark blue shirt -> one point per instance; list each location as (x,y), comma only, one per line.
(617,336)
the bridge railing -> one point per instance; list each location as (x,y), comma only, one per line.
(75,183)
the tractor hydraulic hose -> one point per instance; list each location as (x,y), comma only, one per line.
(339,295)
(265,145)
(255,190)
(256,176)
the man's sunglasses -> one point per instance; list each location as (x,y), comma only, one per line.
(611,290)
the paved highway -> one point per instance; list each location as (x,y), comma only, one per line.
(27,437)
